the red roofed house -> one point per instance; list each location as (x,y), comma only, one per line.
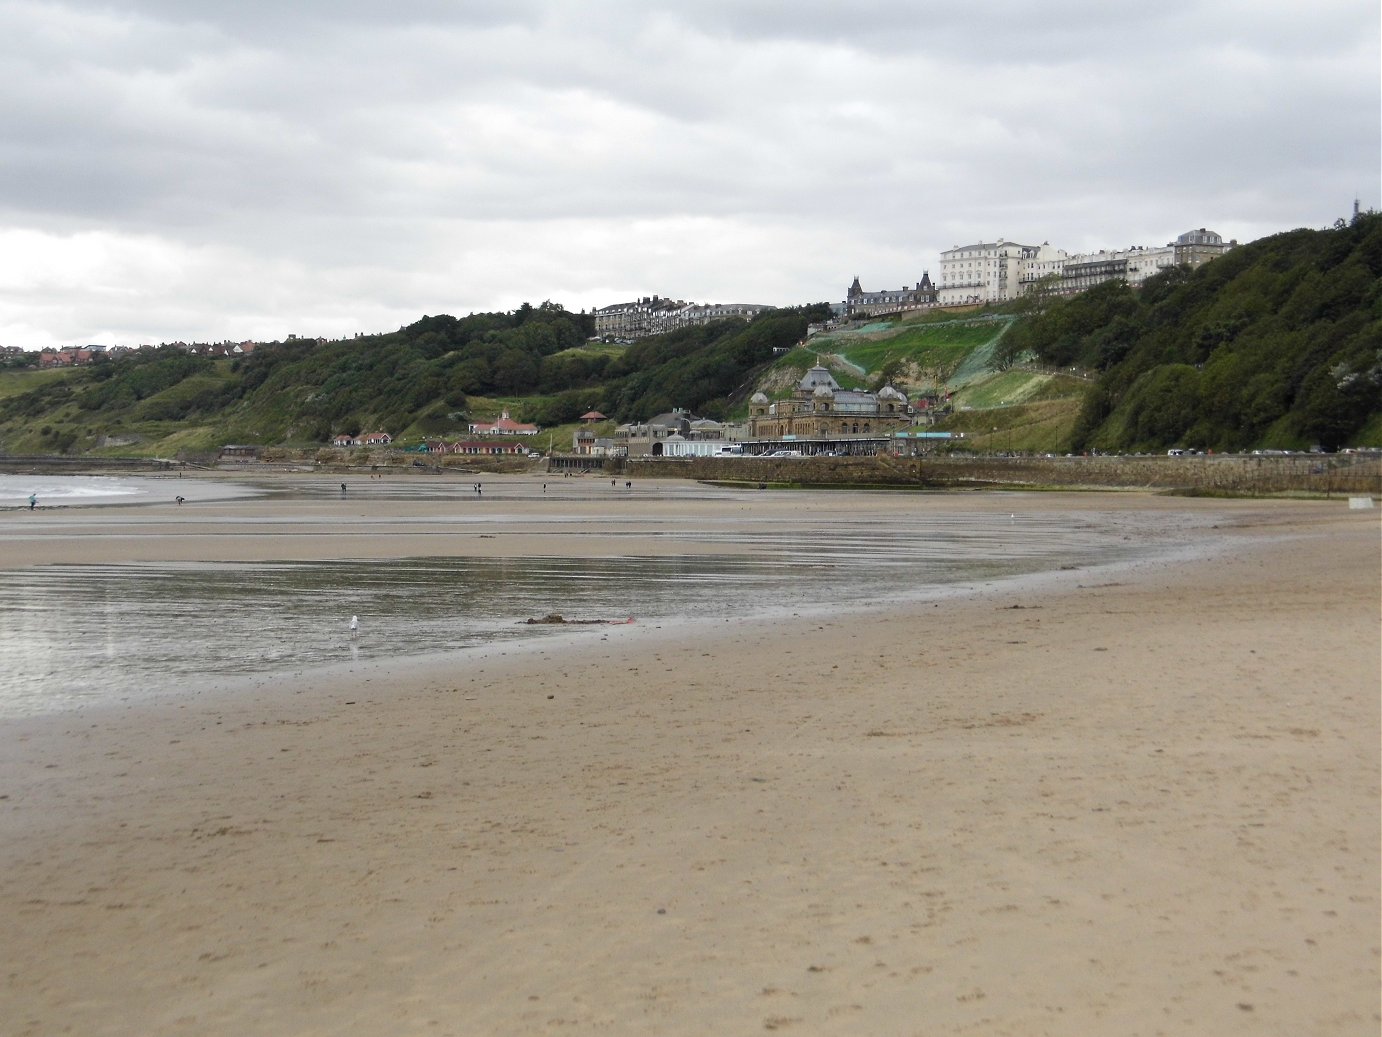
(505,426)
(64,358)
(592,416)
(376,439)
(487,447)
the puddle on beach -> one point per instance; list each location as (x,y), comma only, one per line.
(78,634)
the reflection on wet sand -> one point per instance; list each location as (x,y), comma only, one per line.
(83,633)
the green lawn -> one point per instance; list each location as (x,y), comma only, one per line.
(942,347)
(12,383)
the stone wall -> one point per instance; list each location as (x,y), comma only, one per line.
(1267,474)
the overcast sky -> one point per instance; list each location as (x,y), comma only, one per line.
(247,169)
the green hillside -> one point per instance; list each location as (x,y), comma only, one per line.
(1276,344)
(430,378)
(947,351)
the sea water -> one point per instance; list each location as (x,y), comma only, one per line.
(89,634)
(71,491)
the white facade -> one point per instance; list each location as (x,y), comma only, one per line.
(675,446)
(990,272)
(1044,261)
(994,271)
(1133,265)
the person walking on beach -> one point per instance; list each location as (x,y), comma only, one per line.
(354,627)
(33,501)
(342,489)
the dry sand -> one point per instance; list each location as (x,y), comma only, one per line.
(1140,803)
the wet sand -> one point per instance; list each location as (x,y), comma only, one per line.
(1131,803)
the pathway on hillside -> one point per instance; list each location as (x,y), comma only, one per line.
(844,361)
(979,363)
(976,365)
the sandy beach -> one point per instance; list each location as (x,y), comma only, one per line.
(1130,803)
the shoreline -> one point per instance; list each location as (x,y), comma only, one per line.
(638,634)
(1271,474)
(1130,802)
(382,529)
(311,521)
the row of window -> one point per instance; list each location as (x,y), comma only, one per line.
(845,429)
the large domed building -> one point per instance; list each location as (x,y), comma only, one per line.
(820,409)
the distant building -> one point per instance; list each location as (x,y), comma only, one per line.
(487,447)
(1195,248)
(995,271)
(820,409)
(586,444)
(504,426)
(859,303)
(999,271)
(629,321)
(678,426)
(1134,265)
(654,315)
(65,357)
(711,312)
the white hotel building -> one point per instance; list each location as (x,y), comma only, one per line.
(994,271)
(1002,270)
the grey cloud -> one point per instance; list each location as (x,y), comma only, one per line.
(357,148)
(273,20)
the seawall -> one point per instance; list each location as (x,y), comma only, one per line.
(1233,474)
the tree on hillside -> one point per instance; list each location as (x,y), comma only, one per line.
(1274,341)
(892,369)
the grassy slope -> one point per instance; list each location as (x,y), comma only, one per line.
(138,429)
(1033,411)
(1040,427)
(12,383)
